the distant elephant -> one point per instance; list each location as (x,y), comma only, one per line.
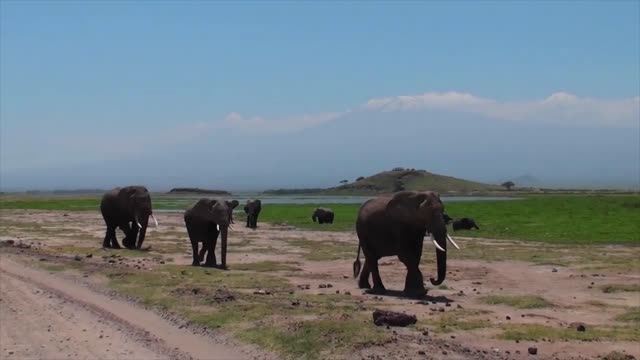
(121,206)
(322,215)
(465,224)
(204,221)
(396,225)
(234,204)
(252,209)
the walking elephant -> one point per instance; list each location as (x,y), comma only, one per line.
(121,206)
(204,221)
(322,215)
(464,224)
(396,225)
(252,209)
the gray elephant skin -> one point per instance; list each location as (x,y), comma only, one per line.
(121,206)
(396,225)
(204,221)
(252,209)
(322,216)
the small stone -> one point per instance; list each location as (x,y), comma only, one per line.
(89,256)
(444,352)
(43,259)
(453,336)
(554,270)
(447,304)
(508,317)
(77,258)
(441,309)
(533,350)
(329,285)
(459,306)
(581,328)
(425,333)
(421,352)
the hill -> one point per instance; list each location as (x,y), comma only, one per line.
(399,179)
(197,191)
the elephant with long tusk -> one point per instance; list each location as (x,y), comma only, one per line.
(121,207)
(397,225)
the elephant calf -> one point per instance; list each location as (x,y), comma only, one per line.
(322,215)
(465,224)
(204,221)
(252,209)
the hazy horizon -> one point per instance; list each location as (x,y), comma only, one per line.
(254,96)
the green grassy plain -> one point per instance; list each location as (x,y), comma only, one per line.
(579,219)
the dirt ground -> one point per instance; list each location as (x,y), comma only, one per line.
(500,297)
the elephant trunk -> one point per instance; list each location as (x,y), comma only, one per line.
(223,247)
(143,232)
(441,256)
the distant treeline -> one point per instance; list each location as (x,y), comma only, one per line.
(197,191)
(294,191)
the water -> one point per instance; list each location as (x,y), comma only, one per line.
(185,201)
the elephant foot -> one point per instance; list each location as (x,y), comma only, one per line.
(377,291)
(364,285)
(210,265)
(222,267)
(195,263)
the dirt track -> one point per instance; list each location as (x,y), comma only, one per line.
(46,317)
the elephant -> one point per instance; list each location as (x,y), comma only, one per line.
(465,224)
(397,225)
(204,221)
(121,206)
(323,215)
(252,209)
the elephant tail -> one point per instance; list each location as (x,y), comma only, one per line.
(356,264)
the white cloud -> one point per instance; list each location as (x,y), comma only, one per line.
(559,108)
(288,124)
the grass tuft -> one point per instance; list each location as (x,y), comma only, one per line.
(614,288)
(518,302)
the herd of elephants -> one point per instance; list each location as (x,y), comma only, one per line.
(388,225)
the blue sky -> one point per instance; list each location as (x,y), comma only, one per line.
(234,94)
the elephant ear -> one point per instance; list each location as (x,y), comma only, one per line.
(404,207)
(232,204)
(219,212)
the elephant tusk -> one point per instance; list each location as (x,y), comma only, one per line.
(217,227)
(436,244)
(140,226)
(154,220)
(452,242)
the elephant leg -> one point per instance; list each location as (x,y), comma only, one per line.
(378,287)
(110,240)
(211,249)
(129,240)
(194,248)
(363,281)
(203,251)
(414,282)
